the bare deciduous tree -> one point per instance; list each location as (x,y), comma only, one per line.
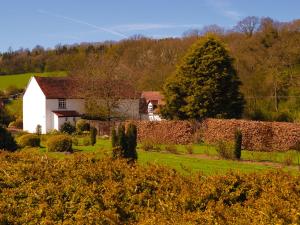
(102,82)
(248,25)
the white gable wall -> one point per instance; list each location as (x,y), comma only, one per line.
(129,108)
(34,107)
(52,105)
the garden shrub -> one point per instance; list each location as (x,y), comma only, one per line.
(29,140)
(225,149)
(82,125)
(67,128)
(7,141)
(238,138)
(124,142)
(59,143)
(189,149)
(75,141)
(131,136)
(18,123)
(114,138)
(93,135)
(86,141)
(172,149)
(147,145)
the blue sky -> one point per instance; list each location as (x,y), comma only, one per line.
(27,23)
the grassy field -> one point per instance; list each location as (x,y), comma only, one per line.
(21,80)
(204,158)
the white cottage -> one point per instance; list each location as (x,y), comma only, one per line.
(50,102)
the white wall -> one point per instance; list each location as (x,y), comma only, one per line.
(129,108)
(34,107)
(52,105)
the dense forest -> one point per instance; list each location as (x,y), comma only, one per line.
(266,54)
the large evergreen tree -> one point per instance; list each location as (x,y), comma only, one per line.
(205,84)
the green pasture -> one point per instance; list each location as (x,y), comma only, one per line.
(21,80)
(204,158)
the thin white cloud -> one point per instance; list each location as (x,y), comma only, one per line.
(151,26)
(111,31)
(224,8)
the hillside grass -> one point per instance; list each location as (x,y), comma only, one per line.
(21,80)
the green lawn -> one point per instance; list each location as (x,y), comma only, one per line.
(203,160)
(21,80)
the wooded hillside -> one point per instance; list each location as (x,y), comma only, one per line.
(266,53)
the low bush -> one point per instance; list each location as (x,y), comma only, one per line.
(93,190)
(18,123)
(86,141)
(7,141)
(225,150)
(29,140)
(148,145)
(67,128)
(189,149)
(172,149)
(59,143)
(75,141)
(82,125)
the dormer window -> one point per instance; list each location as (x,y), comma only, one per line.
(62,103)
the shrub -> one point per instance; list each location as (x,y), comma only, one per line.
(189,149)
(7,141)
(172,149)
(86,141)
(38,129)
(29,140)
(288,159)
(67,128)
(147,146)
(75,141)
(238,137)
(59,143)
(114,138)
(124,143)
(93,135)
(225,149)
(131,136)
(18,123)
(82,125)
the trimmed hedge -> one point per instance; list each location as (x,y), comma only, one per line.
(29,140)
(59,143)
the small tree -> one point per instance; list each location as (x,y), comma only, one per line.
(7,141)
(124,142)
(122,139)
(131,135)
(93,135)
(114,138)
(238,137)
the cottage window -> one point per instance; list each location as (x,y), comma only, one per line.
(62,103)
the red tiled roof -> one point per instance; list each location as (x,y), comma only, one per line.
(56,87)
(67,113)
(153,96)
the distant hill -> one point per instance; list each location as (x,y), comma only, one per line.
(21,80)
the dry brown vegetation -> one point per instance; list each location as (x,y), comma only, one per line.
(257,136)
(84,189)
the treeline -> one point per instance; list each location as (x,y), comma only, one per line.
(266,53)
